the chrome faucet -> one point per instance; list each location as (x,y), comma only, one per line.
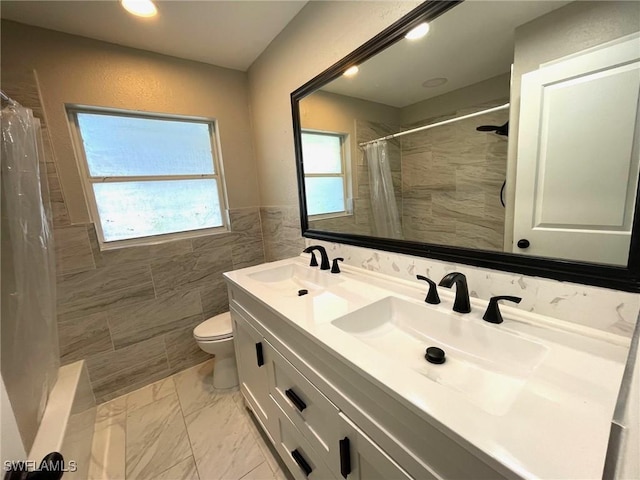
(324,262)
(462,303)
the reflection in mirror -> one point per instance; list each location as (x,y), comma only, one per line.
(510,127)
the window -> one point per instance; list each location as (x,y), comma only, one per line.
(325,173)
(148,175)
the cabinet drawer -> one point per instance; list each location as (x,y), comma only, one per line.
(311,412)
(296,452)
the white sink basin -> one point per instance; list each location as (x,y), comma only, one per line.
(486,365)
(288,279)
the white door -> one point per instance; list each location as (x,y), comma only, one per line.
(578,157)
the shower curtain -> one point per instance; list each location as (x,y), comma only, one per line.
(384,209)
(30,354)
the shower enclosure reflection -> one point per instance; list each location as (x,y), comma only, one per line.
(475,177)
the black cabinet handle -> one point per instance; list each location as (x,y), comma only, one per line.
(302,463)
(295,399)
(259,354)
(345,457)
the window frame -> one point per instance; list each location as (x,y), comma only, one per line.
(87,180)
(345,174)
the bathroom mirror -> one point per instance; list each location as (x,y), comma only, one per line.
(506,137)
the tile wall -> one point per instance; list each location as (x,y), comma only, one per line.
(451,181)
(607,310)
(281,230)
(130,312)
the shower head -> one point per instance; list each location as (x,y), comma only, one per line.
(502,130)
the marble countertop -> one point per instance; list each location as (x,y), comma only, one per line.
(556,427)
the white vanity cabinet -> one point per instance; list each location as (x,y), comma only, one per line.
(343,390)
(303,400)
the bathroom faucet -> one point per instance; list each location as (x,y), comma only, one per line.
(461,303)
(324,262)
(432,296)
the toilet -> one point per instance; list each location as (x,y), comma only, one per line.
(215,336)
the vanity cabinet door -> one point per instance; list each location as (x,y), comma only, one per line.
(253,354)
(360,458)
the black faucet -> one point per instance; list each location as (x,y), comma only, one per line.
(432,296)
(493,315)
(334,267)
(324,263)
(461,303)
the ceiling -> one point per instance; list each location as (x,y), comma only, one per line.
(229,34)
(468,44)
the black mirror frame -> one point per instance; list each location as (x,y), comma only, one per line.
(619,278)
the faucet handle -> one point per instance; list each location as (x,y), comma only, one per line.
(334,267)
(492,314)
(432,297)
(314,261)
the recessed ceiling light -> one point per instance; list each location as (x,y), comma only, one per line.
(434,82)
(351,71)
(418,32)
(140,8)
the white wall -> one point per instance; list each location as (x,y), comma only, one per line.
(320,35)
(78,70)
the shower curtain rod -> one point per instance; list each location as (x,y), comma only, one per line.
(437,124)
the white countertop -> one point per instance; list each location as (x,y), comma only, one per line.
(556,428)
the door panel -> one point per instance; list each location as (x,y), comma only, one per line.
(578,156)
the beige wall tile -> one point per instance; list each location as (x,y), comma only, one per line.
(73,251)
(190,270)
(93,291)
(214,298)
(182,349)
(142,253)
(141,321)
(114,373)
(84,336)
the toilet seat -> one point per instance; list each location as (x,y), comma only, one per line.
(214,328)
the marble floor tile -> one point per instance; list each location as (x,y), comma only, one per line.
(143,435)
(156,439)
(185,470)
(108,449)
(223,446)
(149,394)
(195,387)
(265,445)
(261,472)
(111,412)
